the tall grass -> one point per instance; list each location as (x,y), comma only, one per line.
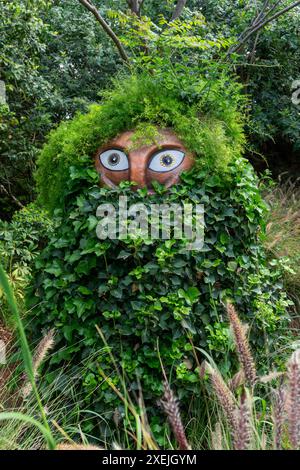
(282,238)
(246,411)
(246,420)
(43,426)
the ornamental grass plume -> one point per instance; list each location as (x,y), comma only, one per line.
(44,346)
(293,399)
(279,416)
(170,405)
(242,345)
(243,432)
(225,398)
(237,381)
(217,438)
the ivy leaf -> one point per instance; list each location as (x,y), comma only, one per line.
(192,294)
(83,290)
(55,270)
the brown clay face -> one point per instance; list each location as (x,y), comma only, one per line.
(162,161)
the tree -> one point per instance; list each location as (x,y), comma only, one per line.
(267,61)
(23,119)
(54,61)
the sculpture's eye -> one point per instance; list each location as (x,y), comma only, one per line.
(166,160)
(114,159)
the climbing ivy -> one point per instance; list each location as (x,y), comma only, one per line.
(151,298)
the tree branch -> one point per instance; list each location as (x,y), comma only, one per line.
(261,14)
(257,25)
(178,9)
(254,22)
(11,196)
(135,6)
(89,6)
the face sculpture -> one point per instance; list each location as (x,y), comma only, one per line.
(149,299)
(163,161)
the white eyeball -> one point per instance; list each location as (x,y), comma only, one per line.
(166,160)
(114,159)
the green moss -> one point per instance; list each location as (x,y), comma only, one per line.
(211,127)
(145,134)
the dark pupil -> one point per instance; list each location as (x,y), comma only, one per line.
(114,159)
(167,160)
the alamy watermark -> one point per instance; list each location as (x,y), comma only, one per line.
(296,92)
(154,222)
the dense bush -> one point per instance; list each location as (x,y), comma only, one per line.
(21,240)
(151,297)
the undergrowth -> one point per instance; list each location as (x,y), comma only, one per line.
(245,411)
(282,238)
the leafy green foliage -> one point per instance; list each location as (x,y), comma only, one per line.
(267,65)
(22,122)
(54,60)
(275,118)
(152,298)
(21,240)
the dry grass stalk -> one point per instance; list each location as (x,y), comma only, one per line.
(45,345)
(284,216)
(293,399)
(6,335)
(6,338)
(271,376)
(242,346)
(170,405)
(263,441)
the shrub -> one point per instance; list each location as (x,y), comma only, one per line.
(20,242)
(268,64)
